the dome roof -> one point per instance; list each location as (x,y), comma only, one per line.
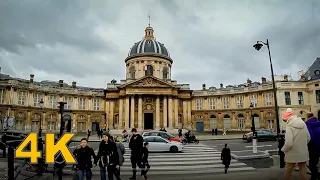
(148,46)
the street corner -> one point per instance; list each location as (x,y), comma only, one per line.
(248,154)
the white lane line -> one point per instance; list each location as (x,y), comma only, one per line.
(260,146)
(185,163)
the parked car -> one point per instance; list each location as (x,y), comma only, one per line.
(262,135)
(159,144)
(162,134)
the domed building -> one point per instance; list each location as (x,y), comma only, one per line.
(148,98)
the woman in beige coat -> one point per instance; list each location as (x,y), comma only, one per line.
(296,145)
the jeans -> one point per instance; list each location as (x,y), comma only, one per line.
(81,173)
(103,173)
(313,164)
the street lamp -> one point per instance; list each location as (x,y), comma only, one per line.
(40,128)
(258,46)
(254,135)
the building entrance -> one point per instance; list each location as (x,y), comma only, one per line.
(148,120)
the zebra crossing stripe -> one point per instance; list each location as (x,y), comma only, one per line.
(195,159)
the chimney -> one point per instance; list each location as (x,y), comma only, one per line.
(263,80)
(31,78)
(61,83)
(285,77)
(203,86)
(249,81)
(0,69)
(74,84)
(221,85)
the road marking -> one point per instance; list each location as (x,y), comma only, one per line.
(259,146)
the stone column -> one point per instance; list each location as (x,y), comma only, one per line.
(127,113)
(170,112)
(189,112)
(90,125)
(140,112)
(185,115)
(176,112)
(132,112)
(157,113)
(120,114)
(111,117)
(165,110)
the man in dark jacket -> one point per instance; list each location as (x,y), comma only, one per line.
(145,162)
(313,125)
(83,156)
(136,146)
(108,157)
(226,158)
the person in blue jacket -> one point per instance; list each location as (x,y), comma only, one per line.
(313,125)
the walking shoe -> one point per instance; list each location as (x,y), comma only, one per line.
(145,177)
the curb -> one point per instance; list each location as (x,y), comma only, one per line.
(264,154)
(219,139)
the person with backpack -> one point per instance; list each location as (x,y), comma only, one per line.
(313,125)
(296,145)
(108,157)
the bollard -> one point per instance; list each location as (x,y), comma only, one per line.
(10,163)
(281,154)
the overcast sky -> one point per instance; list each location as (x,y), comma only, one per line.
(210,41)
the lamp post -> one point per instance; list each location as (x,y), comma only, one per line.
(40,128)
(254,135)
(258,46)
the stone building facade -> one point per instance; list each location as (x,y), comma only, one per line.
(149,99)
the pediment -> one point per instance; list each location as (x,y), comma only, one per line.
(149,82)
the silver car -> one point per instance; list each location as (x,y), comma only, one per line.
(159,144)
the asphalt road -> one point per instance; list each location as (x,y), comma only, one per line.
(241,145)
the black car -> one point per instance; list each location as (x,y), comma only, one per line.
(262,135)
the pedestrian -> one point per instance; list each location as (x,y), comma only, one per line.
(136,146)
(213,132)
(145,163)
(296,145)
(59,164)
(88,133)
(180,133)
(226,157)
(121,151)
(101,132)
(313,125)
(108,157)
(83,157)
(224,132)
(98,133)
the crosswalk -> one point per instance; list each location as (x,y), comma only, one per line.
(195,159)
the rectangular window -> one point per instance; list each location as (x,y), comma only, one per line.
(22,98)
(211,103)
(96,104)
(1,96)
(36,99)
(300,98)
(69,102)
(254,100)
(199,104)
(239,100)
(53,101)
(225,102)
(318,96)
(287,98)
(268,99)
(82,103)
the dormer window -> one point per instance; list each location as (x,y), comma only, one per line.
(316,72)
(165,73)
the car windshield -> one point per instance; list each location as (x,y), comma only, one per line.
(171,136)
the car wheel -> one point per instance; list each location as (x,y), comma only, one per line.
(174,149)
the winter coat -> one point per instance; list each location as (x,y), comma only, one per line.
(145,154)
(121,151)
(313,126)
(226,156)
(107,154)
(83,157)
(297,138)
(136,144)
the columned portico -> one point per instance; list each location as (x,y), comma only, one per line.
(157,112)
(140,112)
(127,110)
(165,110)
(170,112)
(132,112)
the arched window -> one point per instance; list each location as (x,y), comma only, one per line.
(165,73)
(148,70)
(132,72)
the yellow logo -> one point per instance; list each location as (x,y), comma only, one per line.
(51,148)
